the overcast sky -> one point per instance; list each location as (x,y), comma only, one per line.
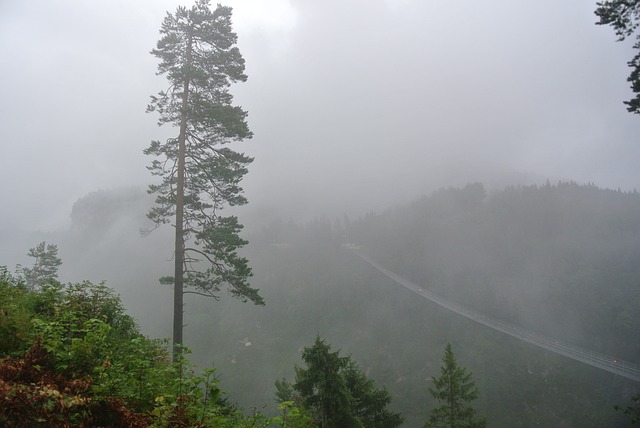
(355,104)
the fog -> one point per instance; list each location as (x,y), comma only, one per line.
(354,105)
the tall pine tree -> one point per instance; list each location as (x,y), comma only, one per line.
(454,390)
(200,174)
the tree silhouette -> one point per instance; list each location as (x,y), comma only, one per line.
(624,17)
(200,173)
(45,267)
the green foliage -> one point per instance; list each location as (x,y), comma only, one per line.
(292,416)
(285,392)
(454,390)
(336,392)
(71,356)
(15,313)
(624,17)
(45,267)
(50,367)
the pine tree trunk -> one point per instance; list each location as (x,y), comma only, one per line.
(178,290)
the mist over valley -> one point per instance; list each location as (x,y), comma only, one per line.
(481,154)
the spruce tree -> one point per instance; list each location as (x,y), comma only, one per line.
(199,172)
(337,393)
(322,387)
(454,390)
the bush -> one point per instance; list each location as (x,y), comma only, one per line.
(71,356)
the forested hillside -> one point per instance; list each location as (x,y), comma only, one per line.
(561,260)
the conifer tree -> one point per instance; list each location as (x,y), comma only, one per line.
(45,267)
(454,390)
(624,17)
(322,387)
(368,403)
(337,393)
(200,173)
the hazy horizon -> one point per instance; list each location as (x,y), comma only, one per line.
(355,106)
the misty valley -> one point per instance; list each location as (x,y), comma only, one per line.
(561,260)
(350,293)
